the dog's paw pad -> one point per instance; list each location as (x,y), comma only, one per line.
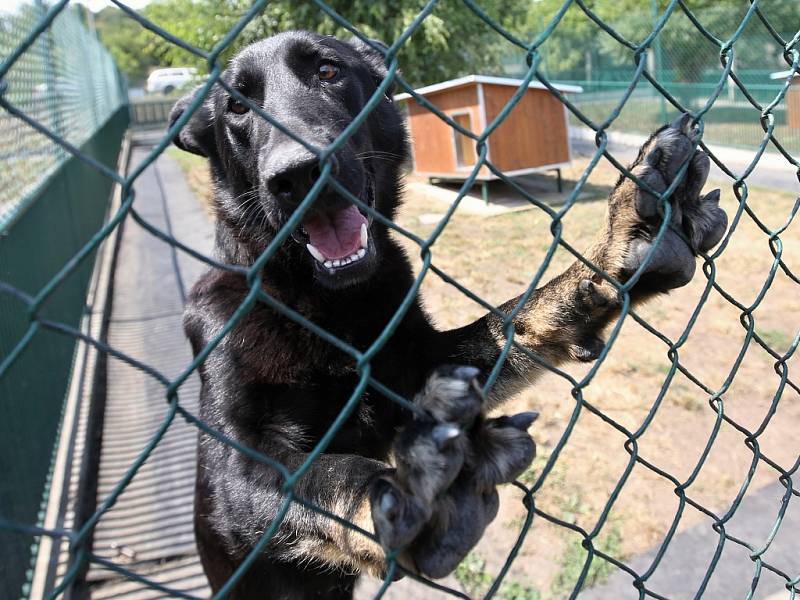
(502,449)
(454,532)
(671,146)
(660,161)
(672,265)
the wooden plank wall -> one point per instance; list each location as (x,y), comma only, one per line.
(432,138)
(793,104)
(533,134)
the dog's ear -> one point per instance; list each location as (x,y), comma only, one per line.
(374,55)
(197,135)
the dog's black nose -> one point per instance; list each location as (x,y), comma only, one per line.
(292,176)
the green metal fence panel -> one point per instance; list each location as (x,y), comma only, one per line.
(37,302)
(66,81)
(51,203)
(685,63)
(730,124)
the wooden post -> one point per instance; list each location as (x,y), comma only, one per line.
(793,104)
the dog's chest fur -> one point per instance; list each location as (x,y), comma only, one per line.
(286,373)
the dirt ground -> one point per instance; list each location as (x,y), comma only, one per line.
(496,257)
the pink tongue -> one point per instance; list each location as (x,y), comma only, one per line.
(336,235)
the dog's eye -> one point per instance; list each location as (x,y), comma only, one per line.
(327,71)
(237,107)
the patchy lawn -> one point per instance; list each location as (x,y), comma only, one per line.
(496,258)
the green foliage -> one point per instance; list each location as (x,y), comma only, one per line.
(777,339)
(461,43)
(471,574)
(683,54)
(514,590)
(574,559)
(124,40)
(568,505)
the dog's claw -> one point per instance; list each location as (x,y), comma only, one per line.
(444,434)
(389,505)
(467,373)
(681,123)
(450,395)
(398,516)
(523,421)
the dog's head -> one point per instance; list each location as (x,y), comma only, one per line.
(314,86)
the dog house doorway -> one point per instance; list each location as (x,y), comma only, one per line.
(465,147)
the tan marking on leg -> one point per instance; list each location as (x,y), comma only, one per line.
(362,550)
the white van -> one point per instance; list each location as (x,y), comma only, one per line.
(166,81)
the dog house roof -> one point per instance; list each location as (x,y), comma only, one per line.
(468,79)
(783,74)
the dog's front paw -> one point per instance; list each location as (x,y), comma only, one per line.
(442,495)
(429,454)
(499,451)
(634,218)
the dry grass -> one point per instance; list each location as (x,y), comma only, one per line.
(497,257)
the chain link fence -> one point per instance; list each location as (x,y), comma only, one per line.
(65,81)
(62,130)
(685,61)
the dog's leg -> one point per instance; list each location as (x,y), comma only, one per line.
(247,500)
(433,504)
(564,319)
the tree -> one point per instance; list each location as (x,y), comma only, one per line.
(460,42)
(124,40)
(688,56)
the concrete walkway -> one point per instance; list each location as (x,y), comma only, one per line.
(683,567)
(149,530)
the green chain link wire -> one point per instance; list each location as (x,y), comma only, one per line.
(791,54)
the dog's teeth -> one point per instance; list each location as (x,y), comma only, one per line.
(315,253)
(337,263)
(361,253)
(364,237)
(328,264)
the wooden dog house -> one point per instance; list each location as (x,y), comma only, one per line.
(533,137)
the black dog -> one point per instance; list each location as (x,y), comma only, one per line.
(274,386)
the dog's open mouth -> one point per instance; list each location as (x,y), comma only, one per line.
(337,238)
